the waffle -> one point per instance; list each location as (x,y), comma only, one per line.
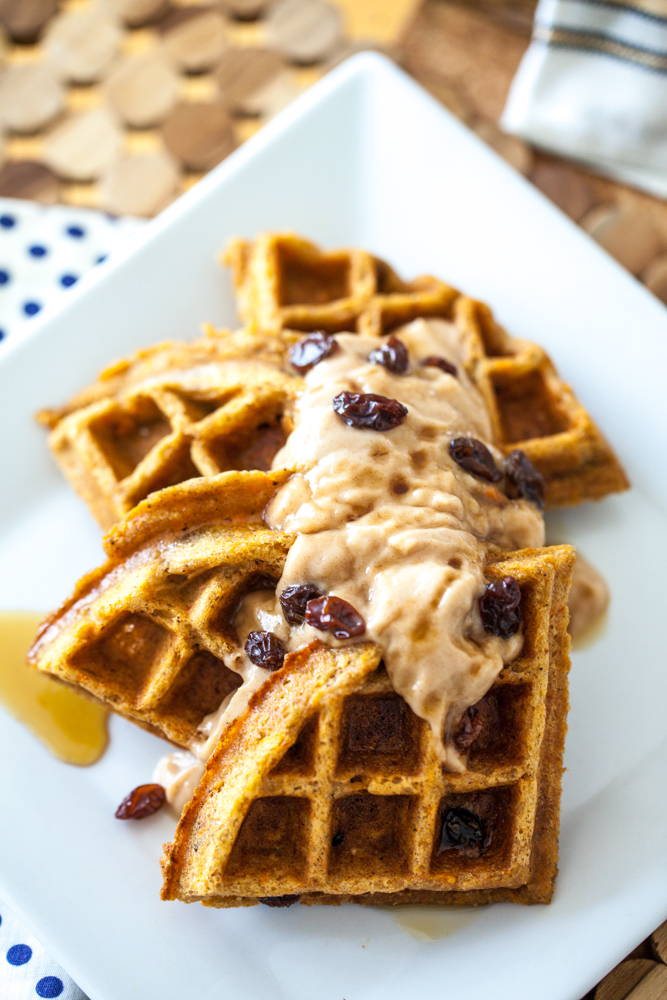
(327,786)
(182,410)
(329,789)
(172,413)
(326,747)
(147,631)
(283,282)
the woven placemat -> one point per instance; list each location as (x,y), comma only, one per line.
(124,104)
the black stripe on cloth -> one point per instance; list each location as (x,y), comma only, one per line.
(629,8)
(598,44)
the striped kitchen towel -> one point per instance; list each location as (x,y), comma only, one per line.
(593,86)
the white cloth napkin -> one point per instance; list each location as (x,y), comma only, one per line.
(593,86)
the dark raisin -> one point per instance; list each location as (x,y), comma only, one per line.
(333,614)
(141,802)
(468,729)
(338,838)
(475,458)
(524,478)
(369,412)
(293,601)
(279,900)
(310,350)
(434,361)
(265,650)
(500,608)
(399,487)
(393,355)
(463,829)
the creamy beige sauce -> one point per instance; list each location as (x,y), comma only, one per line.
(588,599)
(179,773)
(390,523)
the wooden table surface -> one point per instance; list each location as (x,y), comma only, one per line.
(466,53)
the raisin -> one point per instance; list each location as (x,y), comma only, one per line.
(393,355)
(265,649)
(369,412)
(475,458)
(500,608)
(468,729)
(338,838)
(279,900)
(463,829)
(524,477)
(310,350)
(141,802)
(435,361)
(293,601)
(333,614)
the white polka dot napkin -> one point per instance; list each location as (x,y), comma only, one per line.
(26,971)
(45,249)
(593,86)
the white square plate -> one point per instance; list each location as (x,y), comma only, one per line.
(364,158)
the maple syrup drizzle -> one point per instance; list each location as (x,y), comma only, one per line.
(432,923)
(593,632)
(73,728)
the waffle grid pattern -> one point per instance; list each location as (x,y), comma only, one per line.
(389,820)
(147,632)
(284,282)
(158,657)
(180,411)
(165,430)
(355,805)
(158,620)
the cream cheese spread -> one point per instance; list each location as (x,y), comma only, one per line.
(389,522)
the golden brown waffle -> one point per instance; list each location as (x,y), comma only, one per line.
(284,282)
(328,788)
(182,410)
(147,631)
(326,747)
(172,413)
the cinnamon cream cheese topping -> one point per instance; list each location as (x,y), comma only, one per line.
(389,522)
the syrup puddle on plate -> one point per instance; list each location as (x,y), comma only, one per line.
(432,923)
(592,633)
(73,728)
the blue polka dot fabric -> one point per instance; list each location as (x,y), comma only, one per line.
(45,249)
(26,971)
